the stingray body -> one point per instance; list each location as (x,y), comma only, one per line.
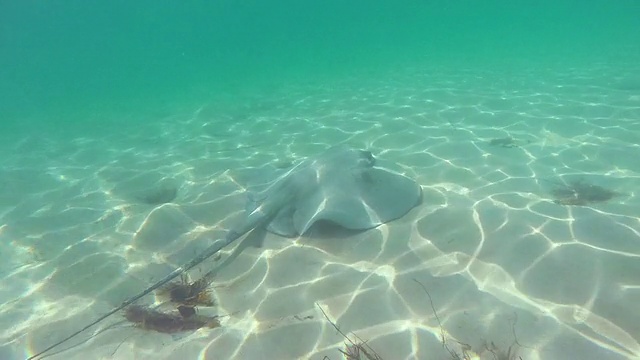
(341,186)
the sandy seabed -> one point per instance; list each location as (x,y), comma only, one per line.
(87,221)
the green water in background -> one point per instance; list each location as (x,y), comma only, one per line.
(64,62)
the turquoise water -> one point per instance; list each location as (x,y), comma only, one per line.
(85,60)
(124,127)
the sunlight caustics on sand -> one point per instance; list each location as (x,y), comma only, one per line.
(102,218)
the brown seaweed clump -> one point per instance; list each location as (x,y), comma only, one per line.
(188,293)
(168,322)
(358,350)
(580,193)
(498,354)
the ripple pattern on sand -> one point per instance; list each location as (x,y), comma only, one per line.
(85,222)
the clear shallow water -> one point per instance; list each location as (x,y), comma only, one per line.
(91,127)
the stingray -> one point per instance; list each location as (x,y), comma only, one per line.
(161,195)
(507,142)
(342,186)
(580,193)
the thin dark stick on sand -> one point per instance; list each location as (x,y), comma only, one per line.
(362,345)
(117,325)
(498,354)
(452,353)
(512,350)
(433,308)
(210,251)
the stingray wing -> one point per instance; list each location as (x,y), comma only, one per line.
(357,201)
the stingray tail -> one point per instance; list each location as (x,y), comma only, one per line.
(207,253)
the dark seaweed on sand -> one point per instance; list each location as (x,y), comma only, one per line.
(353,350)
(511,353)
(358,349)
(580,192)
(168,322)
(188,293)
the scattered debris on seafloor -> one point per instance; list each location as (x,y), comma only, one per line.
(185,292)
(357,349)
(186,295)
(185,319)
